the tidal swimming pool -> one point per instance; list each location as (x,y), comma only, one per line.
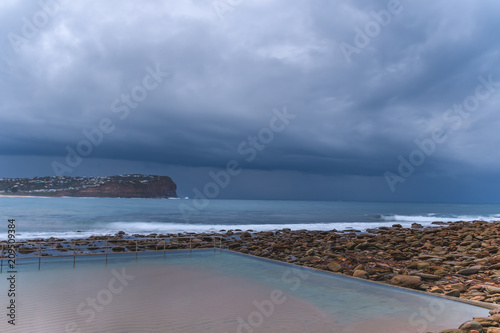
(211,291)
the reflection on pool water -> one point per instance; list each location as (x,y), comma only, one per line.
(212,291)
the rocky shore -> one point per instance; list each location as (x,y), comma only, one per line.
(459,259)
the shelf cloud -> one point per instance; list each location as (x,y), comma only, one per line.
(342,100)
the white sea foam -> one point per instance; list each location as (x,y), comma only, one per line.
(171,228)
(141,227)
(434,217)
(62,234)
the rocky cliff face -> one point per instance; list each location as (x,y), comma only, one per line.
(157,187)
(123,186)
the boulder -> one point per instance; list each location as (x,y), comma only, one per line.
(246,234)
(493,330)
(468,271)
(360,266)
(360,274)
(334,267)
(310,252)
(493,290)
(495,259)
(407,281)
(440,272)
(381,268)
(428,277)
(486,322)
(453,293)
(423,265)
(471,325)
(26,250)
(362,246)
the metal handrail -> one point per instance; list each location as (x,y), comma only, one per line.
(44,251)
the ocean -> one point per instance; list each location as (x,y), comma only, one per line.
(41,217)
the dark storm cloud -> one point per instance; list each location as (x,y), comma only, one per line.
(227,71)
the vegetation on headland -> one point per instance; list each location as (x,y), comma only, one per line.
(124,186)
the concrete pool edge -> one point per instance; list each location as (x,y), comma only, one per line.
(485,305)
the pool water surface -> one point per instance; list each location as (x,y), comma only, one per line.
(212,291)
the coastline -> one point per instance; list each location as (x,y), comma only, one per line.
(455,259)
(76,196)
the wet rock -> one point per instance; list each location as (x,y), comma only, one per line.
(118,249)
(407,281)
(350,245)
(495,259)
(428,277)
(486,322)
(468,271)
(470,325)
(360,274)
(493,330)
(246,234)
(423,265)
(493,290)
(453,293)
(381,268)
(234,246)
(362,246)
(440,272)
(26,250)
(359,267)
(334,267)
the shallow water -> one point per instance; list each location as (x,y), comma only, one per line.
(207,291)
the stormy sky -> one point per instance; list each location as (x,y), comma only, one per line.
(264,99)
